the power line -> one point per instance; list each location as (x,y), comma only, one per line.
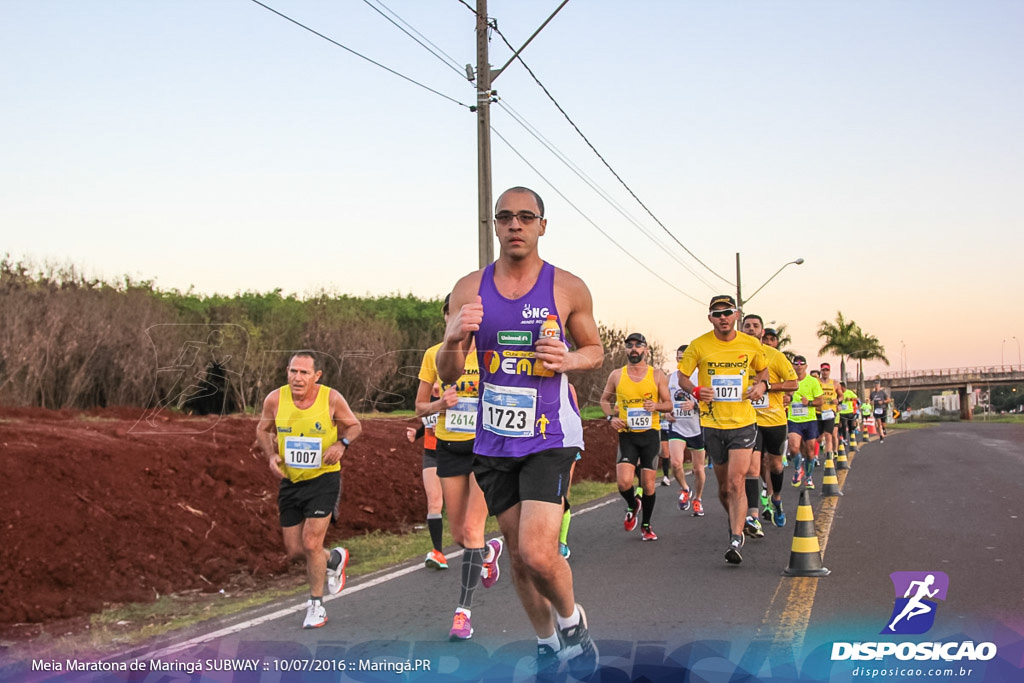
(449,62)
(468,6)
(518,118)
(605,162)
(361,56)
(588,219)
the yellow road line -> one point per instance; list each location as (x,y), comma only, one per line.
(785,622)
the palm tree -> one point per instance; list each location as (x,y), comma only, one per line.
(866,347)
(839,339)
(782,333)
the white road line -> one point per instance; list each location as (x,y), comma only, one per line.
(281,613)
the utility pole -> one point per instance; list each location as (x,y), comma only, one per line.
(739,295)
(483,138)
(484,96)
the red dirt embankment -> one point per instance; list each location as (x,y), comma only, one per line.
(105,506)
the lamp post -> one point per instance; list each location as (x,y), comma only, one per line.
(1018,350)
(740,301)
(903,356)
(1002,358)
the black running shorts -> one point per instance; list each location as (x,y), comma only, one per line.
(639,449)
(771,440)
(310,498)
(541,476)
(429,458)
(720,442)
(454,458)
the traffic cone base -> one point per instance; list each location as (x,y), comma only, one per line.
(805,557)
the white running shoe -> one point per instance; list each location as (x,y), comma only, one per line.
(316,614)
(336,576)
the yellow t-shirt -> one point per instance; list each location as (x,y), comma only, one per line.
(849,401)
(630,396)
(728,368)
(458,423)
(303,436)
(771,410)
(809,388)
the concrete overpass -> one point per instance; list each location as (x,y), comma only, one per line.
(964,380)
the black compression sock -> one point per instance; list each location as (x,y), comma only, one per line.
(645,516)
(753,488)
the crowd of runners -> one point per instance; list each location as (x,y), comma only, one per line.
(502,432)
(739,403)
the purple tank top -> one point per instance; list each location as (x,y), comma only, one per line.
(523,408)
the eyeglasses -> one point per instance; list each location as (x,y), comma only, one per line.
(525,217)
(722,312)
(634,345)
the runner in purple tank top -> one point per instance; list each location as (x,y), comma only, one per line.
(528,425)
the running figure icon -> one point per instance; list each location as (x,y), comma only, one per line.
(915,606)
(916,601)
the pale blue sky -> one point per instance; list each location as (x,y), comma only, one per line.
(215,144)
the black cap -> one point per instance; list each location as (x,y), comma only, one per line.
(722,299)
(796,358)
(770,331)
(636,336)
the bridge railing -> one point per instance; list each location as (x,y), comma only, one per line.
(966,373)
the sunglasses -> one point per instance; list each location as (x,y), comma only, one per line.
(799,362)
(634,345)
(722,312)
(524,217)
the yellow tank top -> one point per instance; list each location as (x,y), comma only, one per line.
(828,394)
(457,423)
(304,435)
(630,396)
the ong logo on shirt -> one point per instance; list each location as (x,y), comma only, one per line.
(531,312)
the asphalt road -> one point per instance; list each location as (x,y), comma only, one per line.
(941,499)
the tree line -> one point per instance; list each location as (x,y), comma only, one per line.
(68,341)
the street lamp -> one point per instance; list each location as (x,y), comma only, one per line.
(903,356)
(739,296)
(1002,358)
(1018,350)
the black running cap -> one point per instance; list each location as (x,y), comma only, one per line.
(770,331)
(636,336)
(722,299)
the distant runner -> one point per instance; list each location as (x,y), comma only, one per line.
(298,433)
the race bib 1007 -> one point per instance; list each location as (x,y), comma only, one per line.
(303,452)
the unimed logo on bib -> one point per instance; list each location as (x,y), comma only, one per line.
(915,606)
